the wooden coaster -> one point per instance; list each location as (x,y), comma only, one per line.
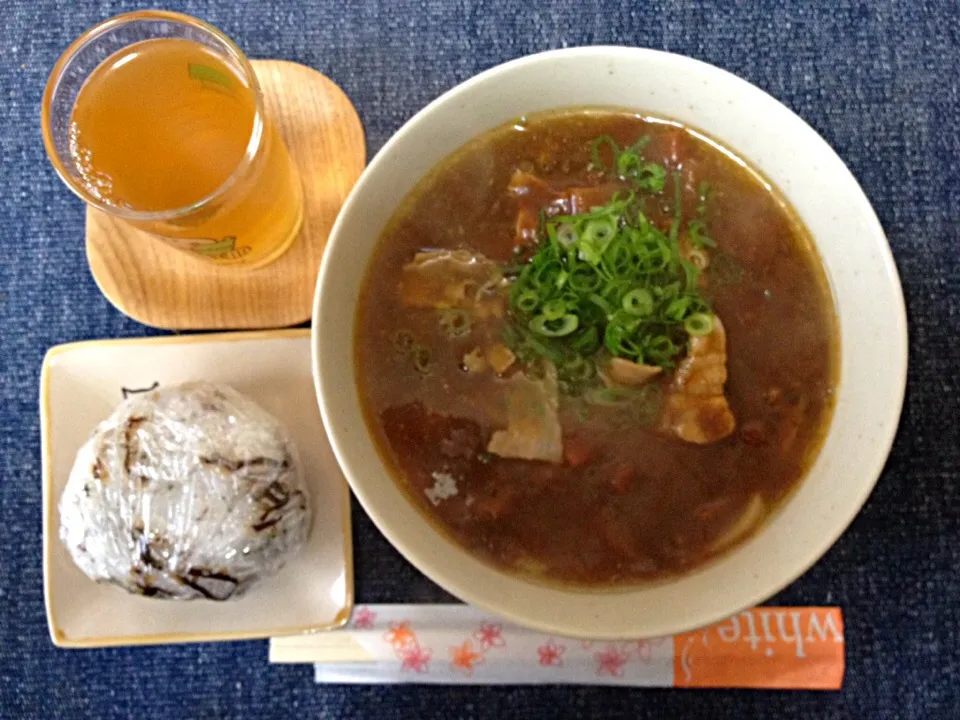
(159,286)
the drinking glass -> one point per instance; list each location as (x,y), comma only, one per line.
(250,218)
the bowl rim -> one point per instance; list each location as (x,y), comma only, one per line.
(870,471)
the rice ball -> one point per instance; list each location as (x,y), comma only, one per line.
(185,492)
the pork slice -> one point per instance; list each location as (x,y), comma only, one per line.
(696,409)
(443,279)
(533,424)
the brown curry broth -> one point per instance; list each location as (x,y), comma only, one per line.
(571,522)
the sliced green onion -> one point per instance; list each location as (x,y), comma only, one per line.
(628,163)
(579,369)
(599,232)
(403,341)
(552,233)
(554,310)
(619,258)
(671,290)
(691,274)
(696,230)
(585,279)
(661,347)
(638,302)
(527,301)
(421,359)
(547,274)
(613,339)
(567,234)
(699,324)
(587,342)
(677,309)
(595,147)
(590,253)
(456,322)
(601,303)
(560,327)
(639,145)
(651,176)
(628,322)
(666,253)
(699,259)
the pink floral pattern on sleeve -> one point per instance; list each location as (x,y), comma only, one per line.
(490,635)
(551,654)
(415,658)
(611,661)
(364,618)
(403,639)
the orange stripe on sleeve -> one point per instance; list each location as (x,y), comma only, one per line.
(766,647)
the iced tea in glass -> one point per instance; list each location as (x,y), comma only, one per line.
(157,119)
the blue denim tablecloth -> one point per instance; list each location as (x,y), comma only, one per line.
(879,81)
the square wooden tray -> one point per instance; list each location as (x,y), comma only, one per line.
(159,286)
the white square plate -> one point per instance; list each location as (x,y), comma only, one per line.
(81,383)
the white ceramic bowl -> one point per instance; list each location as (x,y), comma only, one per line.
(851,242)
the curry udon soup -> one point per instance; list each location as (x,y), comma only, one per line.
(596,348)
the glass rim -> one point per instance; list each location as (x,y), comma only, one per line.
(56,75)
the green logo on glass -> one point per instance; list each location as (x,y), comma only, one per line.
(221,249)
